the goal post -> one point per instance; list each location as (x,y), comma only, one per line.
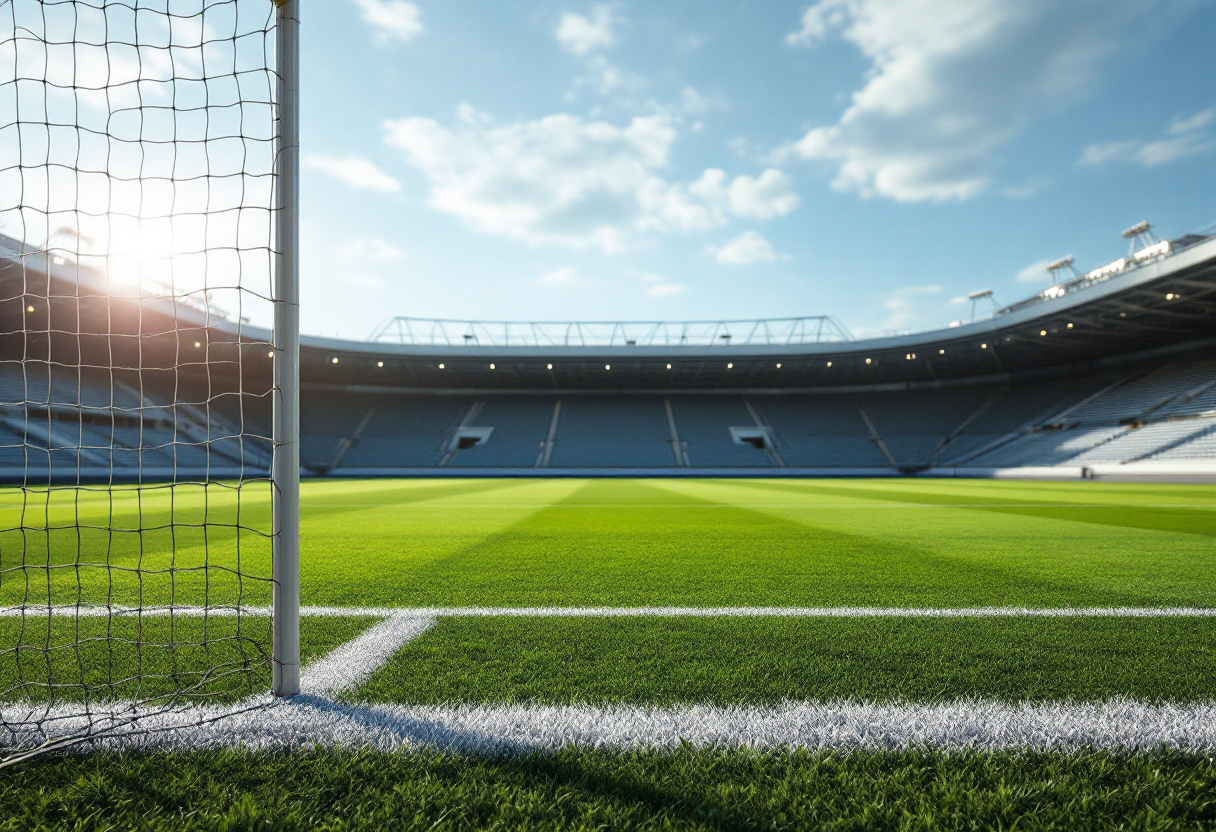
(286,464)
(149,365)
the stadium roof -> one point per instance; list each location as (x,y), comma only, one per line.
(1166,300)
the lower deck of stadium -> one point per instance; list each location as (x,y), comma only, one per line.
(1162,413)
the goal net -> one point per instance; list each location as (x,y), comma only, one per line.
(147,364)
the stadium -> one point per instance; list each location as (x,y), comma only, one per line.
(1110,374)
(705,574)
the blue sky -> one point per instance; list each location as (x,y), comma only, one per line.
(871,159)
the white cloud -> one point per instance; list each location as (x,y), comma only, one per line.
(950,84)
(559,277)
(1185,136)
(769,195)
(910,306)
(580,183)
(392,19)
(1035,273)
(665,290)
(580,35)
(749,247)
(369,250)
(354,171)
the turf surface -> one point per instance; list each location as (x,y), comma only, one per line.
(727,661)
(633,542)
(684,789)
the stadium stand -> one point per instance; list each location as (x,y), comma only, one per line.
(1114,370)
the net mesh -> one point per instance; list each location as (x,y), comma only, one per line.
(137,160)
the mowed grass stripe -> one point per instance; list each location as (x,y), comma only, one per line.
(725,661)
(1199,520)
(977,557)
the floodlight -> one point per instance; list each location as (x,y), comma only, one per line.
(986,293)
(379,363)
(730,366)
(270,354)
(441,366)
(1042,332)
(941,352)
(197,344)
(829,363)
(867,361)
(491,366)
(1138,228)
(1062,263)
(607,366)
(334,359)
(983,346)
(30,308)
(669,366)
(59,261)
(778,366)
(548,366)
(1070,325)
(1171,296)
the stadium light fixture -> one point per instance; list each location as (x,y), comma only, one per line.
(607,366)
(491,366)
(730,366)
(1170,296)
(778,366)
(983,346)
(441,366)
(1070,325)
(829,363)
(197,344)
(910,356)
(1042,332)
(29,308)
(867,361)
(1138,228)
(548,366)
(669,366)
(379,363)
(334,359)
(941,352)
(270,354)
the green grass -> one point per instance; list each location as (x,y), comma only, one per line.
(571,790)
(635,542)
(188,659)
(738,660)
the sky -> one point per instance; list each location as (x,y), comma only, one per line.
(874,160)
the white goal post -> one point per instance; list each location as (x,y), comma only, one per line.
(286,467)
(149,365)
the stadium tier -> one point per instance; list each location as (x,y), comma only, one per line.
(1113,372)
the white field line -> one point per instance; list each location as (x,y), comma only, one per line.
(352,663)
(625,612)
(308,721)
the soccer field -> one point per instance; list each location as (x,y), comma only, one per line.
(707,621)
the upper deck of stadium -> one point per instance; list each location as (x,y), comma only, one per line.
(1159,297)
